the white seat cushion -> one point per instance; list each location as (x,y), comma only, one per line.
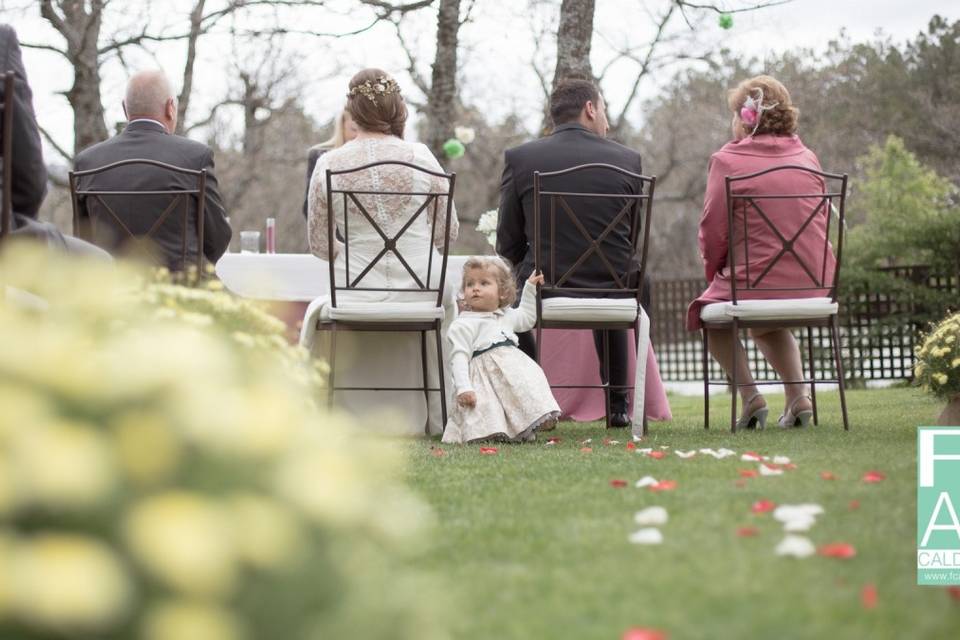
(383,312)
(590,309)
(784,309)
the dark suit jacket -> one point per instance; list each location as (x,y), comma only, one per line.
(29,184)
(568,146)
(148,140)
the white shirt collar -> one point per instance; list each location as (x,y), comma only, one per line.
(156,122)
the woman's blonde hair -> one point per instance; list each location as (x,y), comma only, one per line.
(505,282)
(338,139)
(778,116)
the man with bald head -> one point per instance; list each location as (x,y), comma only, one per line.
(151,111)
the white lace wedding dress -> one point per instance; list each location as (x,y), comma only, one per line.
(388,359)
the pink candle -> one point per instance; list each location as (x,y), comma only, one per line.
(271,235)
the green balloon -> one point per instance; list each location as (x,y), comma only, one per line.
(453,148)
(725,20)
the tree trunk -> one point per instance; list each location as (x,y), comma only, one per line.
(183,102)
(81,31)
(442,100)
(573,40)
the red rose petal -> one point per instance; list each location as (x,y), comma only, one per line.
(618,484)
(438,452)
(488,451)
(854,505)
(954,592)
(772,466)
(749,473)
(873,476)
(631,446)
(868,596)
(553,440)
(585,449)
(664,485)
(747,532)
(656,454)
(790,466)
(840,550)
(753,454)
(642,633)
(763,506)
(827,475)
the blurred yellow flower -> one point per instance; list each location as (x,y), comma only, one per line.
(940,378)
(147,447)
(68,582)
(268,534)
(955,363)
(185,541)
(7,586)
(185,620)
(62,465)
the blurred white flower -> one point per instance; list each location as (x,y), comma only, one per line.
(465,135)
(67,582)
(795,546)
(487,225)
(185,541)
(187,620)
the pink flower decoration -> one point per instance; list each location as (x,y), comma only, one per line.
(749,116)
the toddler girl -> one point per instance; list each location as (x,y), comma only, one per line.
(501,393)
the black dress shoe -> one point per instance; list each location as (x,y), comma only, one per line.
(620,420)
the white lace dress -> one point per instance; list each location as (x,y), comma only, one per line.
(387,359)
(513,395)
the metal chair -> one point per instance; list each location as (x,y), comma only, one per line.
(815,304)
(560,301)
(6,114)
(412,316)
(133,221)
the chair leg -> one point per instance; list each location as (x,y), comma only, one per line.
(835,340)
(706,380)
(426,379)
(333,365)
(813,375)
(735,335)
(441,378)
(636,347)
(606,372)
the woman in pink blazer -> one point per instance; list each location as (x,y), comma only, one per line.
(764,126)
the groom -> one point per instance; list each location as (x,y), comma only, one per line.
(580,124)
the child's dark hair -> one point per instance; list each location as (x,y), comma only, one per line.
(499,266)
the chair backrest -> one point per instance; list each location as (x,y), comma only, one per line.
(588,242)
(6,122)
(779,222)
(431,209)
(135,225)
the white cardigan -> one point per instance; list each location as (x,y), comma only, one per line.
(476,330)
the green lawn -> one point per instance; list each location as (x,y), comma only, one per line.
(533,542)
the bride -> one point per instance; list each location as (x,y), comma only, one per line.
(376,106)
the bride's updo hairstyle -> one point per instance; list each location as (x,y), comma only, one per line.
(375,103)
(762,105)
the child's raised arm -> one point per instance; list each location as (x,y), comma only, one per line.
(525,315)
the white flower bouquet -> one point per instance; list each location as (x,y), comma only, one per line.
(487,225)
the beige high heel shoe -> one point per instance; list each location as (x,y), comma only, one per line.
(756,419)
(798,419)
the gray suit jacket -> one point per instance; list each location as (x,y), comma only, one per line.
(568,146)
(147,140)
(29,173)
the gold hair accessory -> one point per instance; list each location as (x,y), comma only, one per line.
(370,89)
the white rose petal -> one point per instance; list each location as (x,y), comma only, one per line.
(767,471)
(750,457)
(781,460)
(646,536)
(795,546)
(651,516)
(799,524)
(646,481)
(685,454)
(644,451)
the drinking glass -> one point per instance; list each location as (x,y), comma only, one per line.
(249,242)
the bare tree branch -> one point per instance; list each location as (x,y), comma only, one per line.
(713,7)
(46,47)
(412,63)
(53,143)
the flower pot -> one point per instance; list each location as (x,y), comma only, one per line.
(950,417)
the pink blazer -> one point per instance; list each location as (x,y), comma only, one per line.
(748,156)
